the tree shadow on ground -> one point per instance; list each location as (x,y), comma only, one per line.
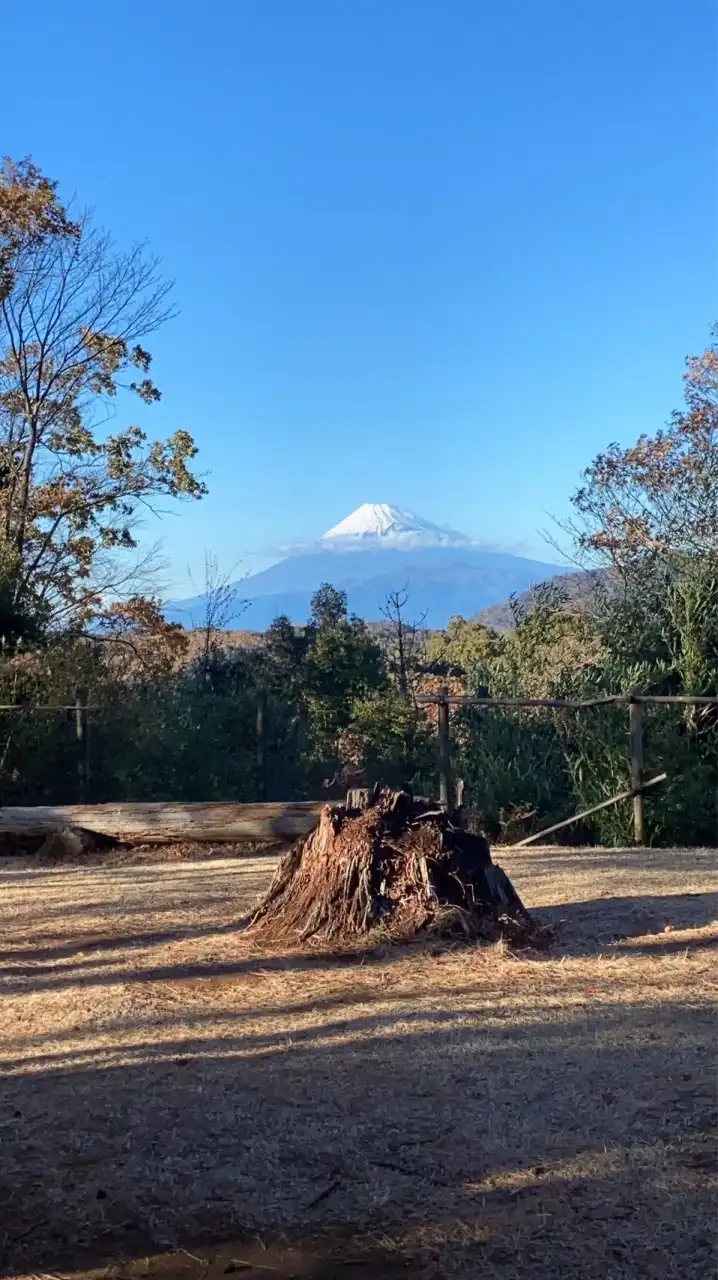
(573,1146)
(594,926)
(608,922)
(358,1130)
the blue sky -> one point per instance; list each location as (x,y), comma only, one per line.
(431,253)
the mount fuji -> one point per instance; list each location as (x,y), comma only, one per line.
(377,549)
(378,524)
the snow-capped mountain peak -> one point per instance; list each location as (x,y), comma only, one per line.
(381,524)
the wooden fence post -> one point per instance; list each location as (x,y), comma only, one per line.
(262,745)
(479,723)
(635,722)
(716,735)
(82,737)
(446,798)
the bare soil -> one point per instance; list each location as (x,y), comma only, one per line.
(179,1102)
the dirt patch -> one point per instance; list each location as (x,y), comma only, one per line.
(447,1111)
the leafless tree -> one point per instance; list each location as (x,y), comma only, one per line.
(406,642)
(222,605)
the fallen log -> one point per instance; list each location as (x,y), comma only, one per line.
(159,823)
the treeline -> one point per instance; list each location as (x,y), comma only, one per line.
(341,707)
(164,726)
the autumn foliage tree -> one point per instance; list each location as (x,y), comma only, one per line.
(650,512)
(647,519)
(658,499)
(75,312)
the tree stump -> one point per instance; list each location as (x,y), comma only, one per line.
(398,865)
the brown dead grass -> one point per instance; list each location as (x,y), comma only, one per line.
(462,1111)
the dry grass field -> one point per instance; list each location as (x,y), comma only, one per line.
(177,1103)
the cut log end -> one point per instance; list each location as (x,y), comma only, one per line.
(396,865)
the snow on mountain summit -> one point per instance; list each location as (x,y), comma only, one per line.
(380,524)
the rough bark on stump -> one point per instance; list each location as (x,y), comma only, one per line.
(401,863)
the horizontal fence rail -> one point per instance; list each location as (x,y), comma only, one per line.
(613,699)
(52,706)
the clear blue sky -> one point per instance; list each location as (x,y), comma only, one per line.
(430,252)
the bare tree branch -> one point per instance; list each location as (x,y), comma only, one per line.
(406,642)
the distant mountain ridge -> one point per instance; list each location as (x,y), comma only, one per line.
(378,549)
(580,587)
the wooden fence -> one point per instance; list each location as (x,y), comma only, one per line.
(635,703)
(260,821)
(81,709)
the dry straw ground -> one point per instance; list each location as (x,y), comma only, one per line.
(175,1097)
